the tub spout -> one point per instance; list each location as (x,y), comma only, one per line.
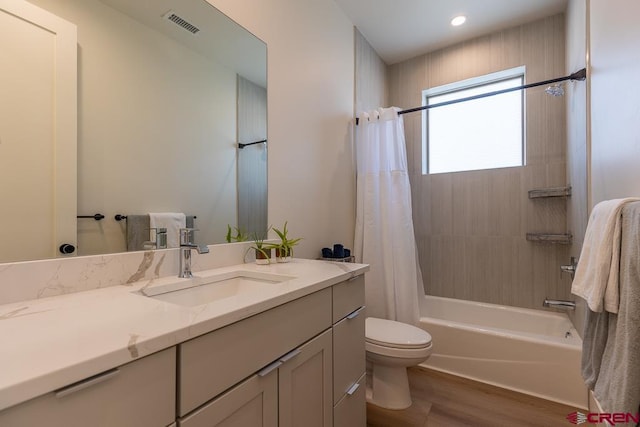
(562,304)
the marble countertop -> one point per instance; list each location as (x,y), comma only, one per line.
(51,342)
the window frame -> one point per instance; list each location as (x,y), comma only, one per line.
(474,82)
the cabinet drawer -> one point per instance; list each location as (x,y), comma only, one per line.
(351,411)
(138,394)
(347,296)
(210,364)
(348,353)
(254,402)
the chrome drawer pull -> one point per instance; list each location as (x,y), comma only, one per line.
(290,355)
(355,313)
(91,381)
(351,279)
(353,389)
(269,368)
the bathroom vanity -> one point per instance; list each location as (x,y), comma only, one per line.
(278,345)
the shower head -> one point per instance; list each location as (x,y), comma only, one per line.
(555,90)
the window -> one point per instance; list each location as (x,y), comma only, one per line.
(484,133)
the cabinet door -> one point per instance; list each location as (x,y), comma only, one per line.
(251,403)
(139,394)
(305,391)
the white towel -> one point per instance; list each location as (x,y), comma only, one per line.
(597,277)
(173,222)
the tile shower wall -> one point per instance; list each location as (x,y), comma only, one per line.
(252,160)
(577,144)
(471,226)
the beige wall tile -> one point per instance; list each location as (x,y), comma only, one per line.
(474,223)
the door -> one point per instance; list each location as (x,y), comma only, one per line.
(251,403)
(305,385)
(38,131)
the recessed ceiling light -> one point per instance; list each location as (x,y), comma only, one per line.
(458,20)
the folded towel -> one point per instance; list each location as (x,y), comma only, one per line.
(173,222)
(618,384)
(597,275)
(137,232)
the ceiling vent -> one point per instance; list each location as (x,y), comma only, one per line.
(176,19)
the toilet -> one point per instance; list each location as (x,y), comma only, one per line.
(392,347)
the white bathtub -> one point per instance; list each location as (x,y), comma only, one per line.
(529,351)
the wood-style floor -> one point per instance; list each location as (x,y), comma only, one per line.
(441,400)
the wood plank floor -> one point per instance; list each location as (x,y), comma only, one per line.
(441,400)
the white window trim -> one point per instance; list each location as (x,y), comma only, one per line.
(465,84)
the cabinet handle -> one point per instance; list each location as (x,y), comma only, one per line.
(89,382)
(267,369)
(353,389)
(355,313)
(351,279)
(290,355)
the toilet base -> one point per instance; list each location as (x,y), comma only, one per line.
(389,387)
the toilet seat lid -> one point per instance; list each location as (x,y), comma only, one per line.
(389,333)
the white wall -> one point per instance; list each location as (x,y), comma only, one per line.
(615,99)
(372,86)
(310,98)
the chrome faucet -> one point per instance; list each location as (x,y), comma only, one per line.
(186,245)
(571,268)
(555,303)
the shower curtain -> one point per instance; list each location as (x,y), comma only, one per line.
(384,228)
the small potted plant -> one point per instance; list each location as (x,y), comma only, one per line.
(284,249)
(261,249)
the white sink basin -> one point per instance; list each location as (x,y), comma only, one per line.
(205,289)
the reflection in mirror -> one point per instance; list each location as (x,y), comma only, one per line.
(165,91)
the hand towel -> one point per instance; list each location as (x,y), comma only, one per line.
(617,387)
(137,232)
(597,275)
(173,222)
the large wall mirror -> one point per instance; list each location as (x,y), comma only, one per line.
(166,90)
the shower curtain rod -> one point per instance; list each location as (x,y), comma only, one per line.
(578,75)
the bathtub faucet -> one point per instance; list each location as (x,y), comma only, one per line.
(562,304)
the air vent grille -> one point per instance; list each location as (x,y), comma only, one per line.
(176,19)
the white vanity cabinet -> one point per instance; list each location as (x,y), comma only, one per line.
(138,394)
(299,364)
(291,343)
(349,353)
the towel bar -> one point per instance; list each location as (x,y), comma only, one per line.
(120,217)
(97,216)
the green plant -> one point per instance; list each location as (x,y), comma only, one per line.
(240,235)
(262,249)
(285,247)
